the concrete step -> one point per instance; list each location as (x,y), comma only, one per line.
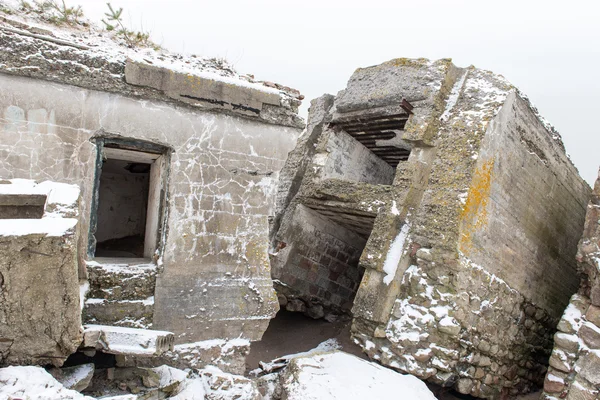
(125,313)
(121,279)
(127,341)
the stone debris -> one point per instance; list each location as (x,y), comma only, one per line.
(227,355)
(317,374)
(282,362)
(574,371)
(130,341)
(414,202)
(76,378)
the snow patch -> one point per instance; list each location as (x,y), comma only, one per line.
(34,383)
(338,375)
(390,266)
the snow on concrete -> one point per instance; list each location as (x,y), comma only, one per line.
(169,375)
(395,253)
(52,227)
(453,97)
(84,287)
(130,341)
(338,375)
(61,200)
(34,383)
(94,41)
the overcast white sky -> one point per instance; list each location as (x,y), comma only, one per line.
(550,49)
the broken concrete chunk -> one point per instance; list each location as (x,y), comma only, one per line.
(45,287)
(76,378)
(127,341)
(168,378)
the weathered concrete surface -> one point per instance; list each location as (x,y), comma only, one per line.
(130,341)
(574,364)
(469,258)
(40,316)
(214,277)
(121,292)
(90,59)
(198,90)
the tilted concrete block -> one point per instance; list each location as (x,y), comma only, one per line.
(127,341)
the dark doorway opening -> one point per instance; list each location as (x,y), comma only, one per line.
(122,208)
(128,209)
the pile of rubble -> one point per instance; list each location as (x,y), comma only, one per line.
(317,374)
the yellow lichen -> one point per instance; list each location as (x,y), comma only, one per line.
(474,213)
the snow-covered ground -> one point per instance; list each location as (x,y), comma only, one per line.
(338,375)
(33,383)
(320,374)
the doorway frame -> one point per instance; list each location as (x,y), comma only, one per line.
(136,150)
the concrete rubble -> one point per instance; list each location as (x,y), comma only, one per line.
(574,371)
(403,204)
(313,375)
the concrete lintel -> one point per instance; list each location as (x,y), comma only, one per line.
(200,91)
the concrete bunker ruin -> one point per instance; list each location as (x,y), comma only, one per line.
(430,202)
(450,291)
(176,160)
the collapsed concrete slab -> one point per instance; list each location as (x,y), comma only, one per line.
(130,341)
(574,371)
(40,315)
(436,204)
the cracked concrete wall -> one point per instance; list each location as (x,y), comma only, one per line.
(447,294)
(214,277)
(573,372)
